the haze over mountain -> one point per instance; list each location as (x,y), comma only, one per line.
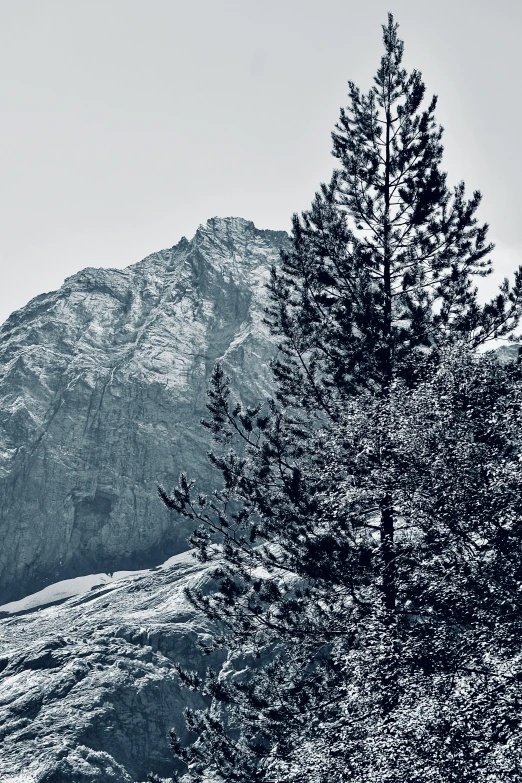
(102,387)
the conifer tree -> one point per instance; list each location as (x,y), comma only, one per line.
(361,523)
(383,266)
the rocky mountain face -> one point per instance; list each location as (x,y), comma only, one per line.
(88,689)
(102,386)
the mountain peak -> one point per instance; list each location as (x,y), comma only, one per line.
(102,387)
(230,236)
(228,223)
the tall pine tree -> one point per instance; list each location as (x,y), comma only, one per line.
(384,264)
(363,519)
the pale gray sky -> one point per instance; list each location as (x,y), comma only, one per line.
(126,123)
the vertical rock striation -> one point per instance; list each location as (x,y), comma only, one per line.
(102,386)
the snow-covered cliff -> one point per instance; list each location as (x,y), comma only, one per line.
(102,386)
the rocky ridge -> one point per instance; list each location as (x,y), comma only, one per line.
(88,688)
(102,386)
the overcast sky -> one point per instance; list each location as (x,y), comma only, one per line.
(127,123)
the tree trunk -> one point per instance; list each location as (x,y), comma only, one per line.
(386,506)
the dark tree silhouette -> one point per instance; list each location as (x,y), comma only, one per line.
(367,532)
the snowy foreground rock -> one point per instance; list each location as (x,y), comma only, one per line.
(88,690)
(102,386)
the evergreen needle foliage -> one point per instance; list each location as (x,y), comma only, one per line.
(367,536)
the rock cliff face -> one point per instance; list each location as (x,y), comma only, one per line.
(88,689)
(102,386)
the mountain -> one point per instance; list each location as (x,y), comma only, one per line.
(102,387)
(88,688)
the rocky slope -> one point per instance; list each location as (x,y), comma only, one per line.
(88,689)
(102,386)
